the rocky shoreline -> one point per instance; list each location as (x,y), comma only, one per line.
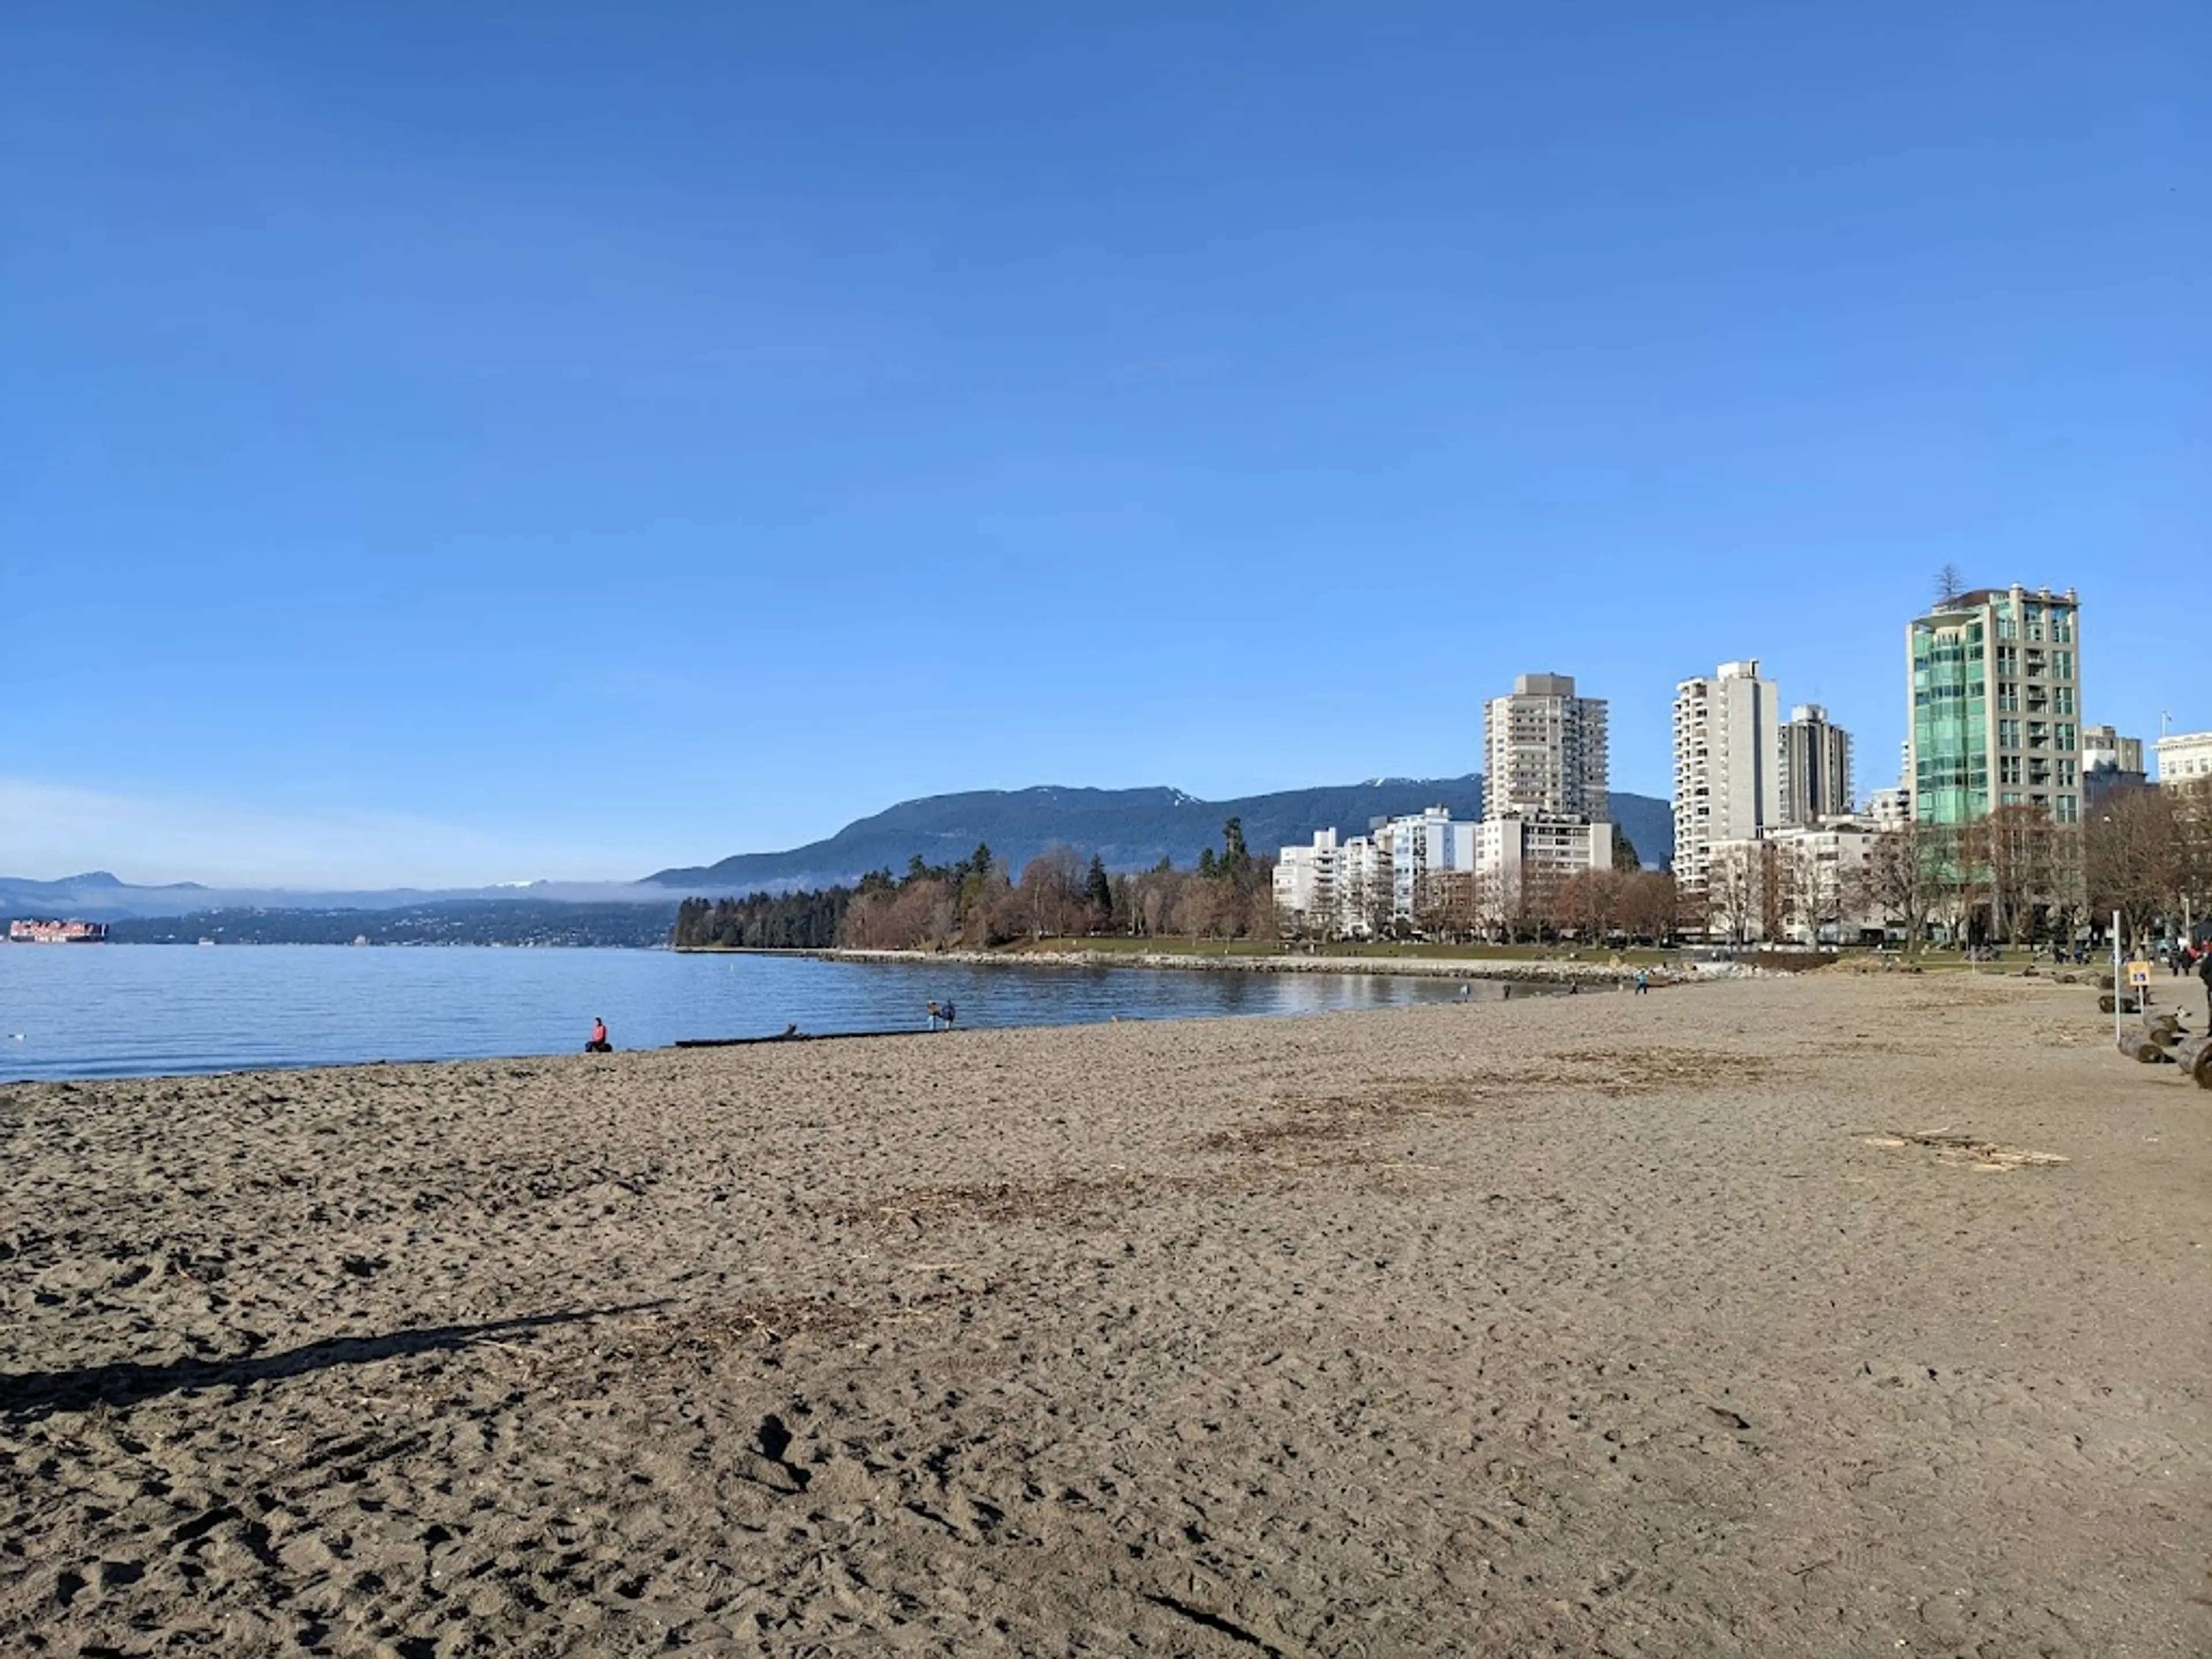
(1610,972)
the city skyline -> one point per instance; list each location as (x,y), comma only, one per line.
(456,464)
(1769,736)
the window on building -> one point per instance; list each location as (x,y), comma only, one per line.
(2069,809)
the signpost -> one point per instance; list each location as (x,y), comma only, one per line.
(2119,994)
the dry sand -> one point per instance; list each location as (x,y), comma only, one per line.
(1593,1325)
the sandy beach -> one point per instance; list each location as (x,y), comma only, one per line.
(1604,1325)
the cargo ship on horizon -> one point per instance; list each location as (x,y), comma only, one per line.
(57,932)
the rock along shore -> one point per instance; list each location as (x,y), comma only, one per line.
(1559,972)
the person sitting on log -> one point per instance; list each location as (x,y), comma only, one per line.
(598,1044)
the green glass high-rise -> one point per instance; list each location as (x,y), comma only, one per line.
(1995,705)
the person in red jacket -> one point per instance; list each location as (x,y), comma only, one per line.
(598,1044)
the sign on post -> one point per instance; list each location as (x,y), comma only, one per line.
(2138,975)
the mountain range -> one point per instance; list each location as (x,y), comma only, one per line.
(1129,828)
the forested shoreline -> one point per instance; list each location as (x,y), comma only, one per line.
(979,904)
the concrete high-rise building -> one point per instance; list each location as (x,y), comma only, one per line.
(1816,768)
(1727,764)
(1522,862)
(1994,705)
(2110,765)
(1423,844)
(1544,750)
(1401,871)
(1888,809)
(2103,745)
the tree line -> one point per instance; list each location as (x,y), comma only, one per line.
(978,902)
(2015,878)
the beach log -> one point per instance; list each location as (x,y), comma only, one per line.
(2108,1004)
(2137,1047)
(2201,1066)
(2190,1050)
(2165,1030)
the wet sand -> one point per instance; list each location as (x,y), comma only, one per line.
(1618,1325)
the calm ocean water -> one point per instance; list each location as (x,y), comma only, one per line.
(138,1010)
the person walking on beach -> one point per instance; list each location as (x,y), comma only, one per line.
(1643,981)
(598,1044)
(934,1016)
(948,1011)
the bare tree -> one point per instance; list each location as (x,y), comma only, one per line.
(2188,867)
(1773,890)
(1052,888)
(1950,584)
(1585,901)
(2010,853)
(2131,858)
(1647,905)
(1497,902)
(1735,884)
(1898,881)
(1539,896)
(1813,892)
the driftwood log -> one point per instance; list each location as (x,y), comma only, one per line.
(2109,1003)
(2194,1056)
(2137,1047)
(2104,981)
(2165,1030)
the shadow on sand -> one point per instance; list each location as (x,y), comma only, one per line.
(26,1397)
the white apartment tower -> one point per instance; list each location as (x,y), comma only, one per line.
(1544,750)
(1727,764)
(1816,768)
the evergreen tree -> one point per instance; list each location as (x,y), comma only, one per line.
(1097,889)
(1235,859)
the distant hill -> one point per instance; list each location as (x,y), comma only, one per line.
(100,897)
(1130,828)
(95,895)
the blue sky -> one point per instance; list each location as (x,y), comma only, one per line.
(450,443)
